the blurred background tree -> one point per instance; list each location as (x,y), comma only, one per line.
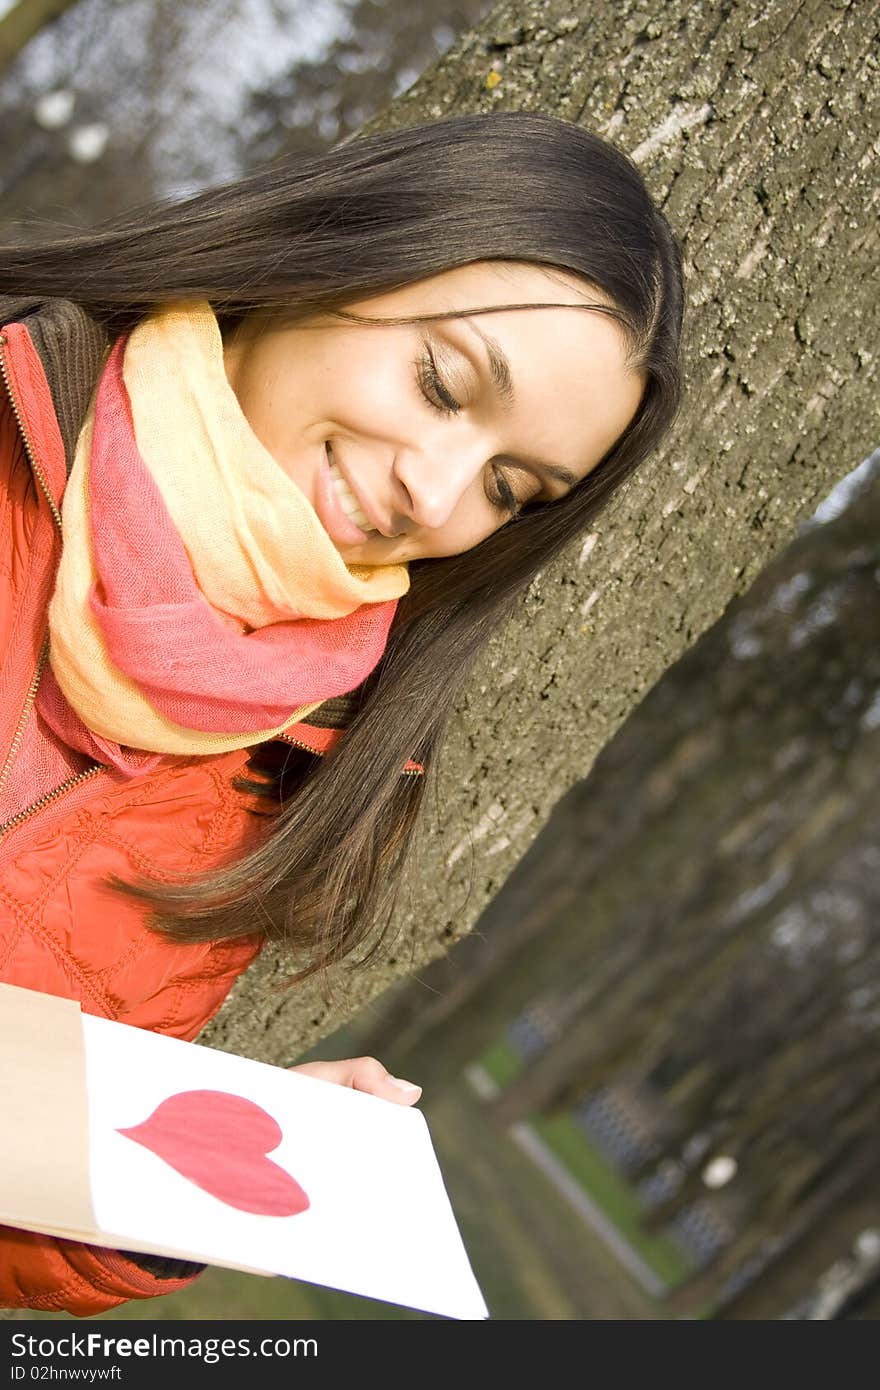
(176,97)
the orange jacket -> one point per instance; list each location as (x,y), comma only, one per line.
(66,823)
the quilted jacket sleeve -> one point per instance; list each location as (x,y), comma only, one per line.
(61,937)
(51,1275)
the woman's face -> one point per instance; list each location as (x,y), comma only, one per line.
(419,440)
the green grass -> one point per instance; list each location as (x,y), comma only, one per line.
(501,1062)
(599,1180)
(613,1194)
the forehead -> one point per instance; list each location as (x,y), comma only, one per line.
(485,283)
(543,317)
(562,337)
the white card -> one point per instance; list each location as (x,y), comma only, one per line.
(237,1163)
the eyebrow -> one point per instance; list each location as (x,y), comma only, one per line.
(502,379)
(545,470)
(499,366)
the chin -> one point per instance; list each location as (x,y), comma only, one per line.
(378,551)
(358,555)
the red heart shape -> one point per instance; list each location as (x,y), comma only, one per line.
(220,1142)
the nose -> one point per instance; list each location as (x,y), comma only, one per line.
(432,478)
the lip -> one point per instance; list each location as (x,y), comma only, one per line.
(339,527)
(361,501)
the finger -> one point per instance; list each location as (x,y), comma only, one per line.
(340,1073)
(364,1074)
(376,1080)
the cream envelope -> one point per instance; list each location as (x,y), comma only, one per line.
(116,1136)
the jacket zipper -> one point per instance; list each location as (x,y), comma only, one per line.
(28,447)
(50,797)
(295,743)
(44,653)
(28,703)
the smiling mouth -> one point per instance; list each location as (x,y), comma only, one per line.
(346,498)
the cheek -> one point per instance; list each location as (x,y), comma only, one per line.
(473,522)
(365,386)
(266,398)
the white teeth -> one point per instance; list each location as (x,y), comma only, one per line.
(347,501)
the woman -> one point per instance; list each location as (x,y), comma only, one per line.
(309,437)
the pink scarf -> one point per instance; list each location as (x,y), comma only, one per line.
(158,645)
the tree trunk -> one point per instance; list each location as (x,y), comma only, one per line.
(23,21)
(754,125)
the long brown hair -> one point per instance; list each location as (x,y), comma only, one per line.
(315,236)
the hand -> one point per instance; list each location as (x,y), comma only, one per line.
(363,1074)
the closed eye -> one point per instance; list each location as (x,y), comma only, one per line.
(432,386)
(505,500)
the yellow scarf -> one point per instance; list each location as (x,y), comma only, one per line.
(257,552)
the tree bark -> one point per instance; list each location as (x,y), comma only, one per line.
(755,128)
(25,20)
